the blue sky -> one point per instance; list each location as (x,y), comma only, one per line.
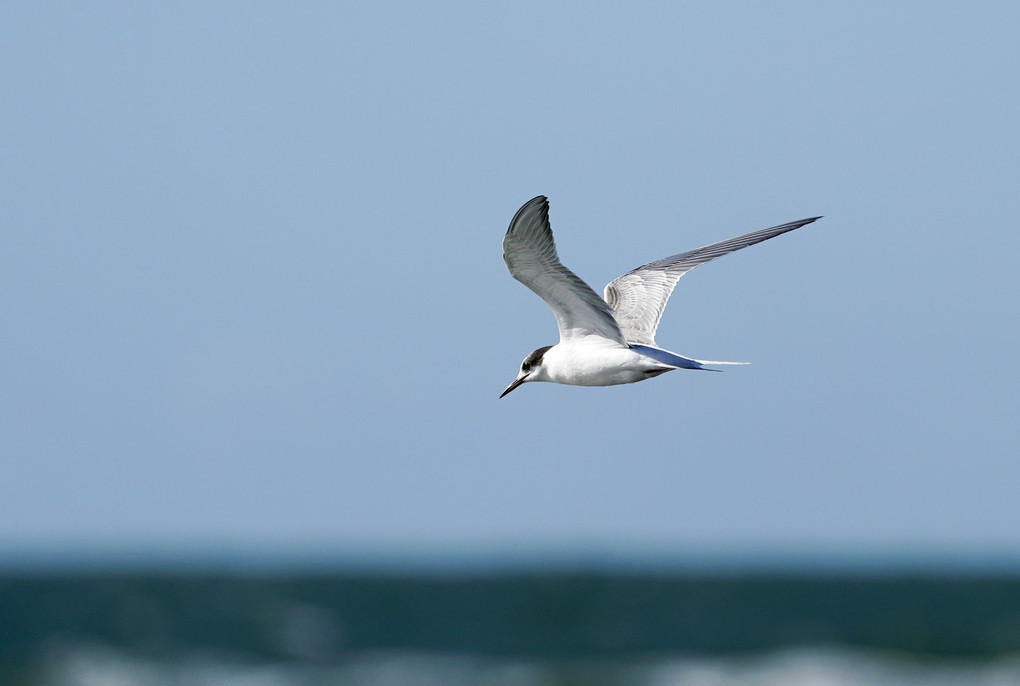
(254,294)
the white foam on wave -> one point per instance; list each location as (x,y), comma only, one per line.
(100,666)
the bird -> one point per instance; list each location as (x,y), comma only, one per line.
(609,340)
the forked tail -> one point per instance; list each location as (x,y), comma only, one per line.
(674,360)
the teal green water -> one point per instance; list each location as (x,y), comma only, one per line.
(534,614)
(563,623)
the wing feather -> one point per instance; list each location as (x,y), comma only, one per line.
(638,297)
(530,256)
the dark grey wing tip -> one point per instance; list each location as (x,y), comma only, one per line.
(790,226)
(805,222)
(540,200)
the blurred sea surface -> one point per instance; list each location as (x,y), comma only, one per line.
(521,628)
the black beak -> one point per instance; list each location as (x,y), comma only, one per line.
(514,384)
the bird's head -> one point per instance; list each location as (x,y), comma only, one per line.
(531,370)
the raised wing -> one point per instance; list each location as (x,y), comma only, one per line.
(530,255)
(639,296)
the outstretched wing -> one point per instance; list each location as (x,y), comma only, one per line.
(639,296)
(530,255)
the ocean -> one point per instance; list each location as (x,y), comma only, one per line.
(523,628)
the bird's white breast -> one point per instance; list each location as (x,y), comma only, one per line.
(594,361)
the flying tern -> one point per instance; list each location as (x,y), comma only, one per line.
(604,342)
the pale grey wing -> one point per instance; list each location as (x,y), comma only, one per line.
(639,296)
(530,255)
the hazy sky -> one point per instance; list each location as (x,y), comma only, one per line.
(253,293)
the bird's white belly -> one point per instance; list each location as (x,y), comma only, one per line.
(588,365)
